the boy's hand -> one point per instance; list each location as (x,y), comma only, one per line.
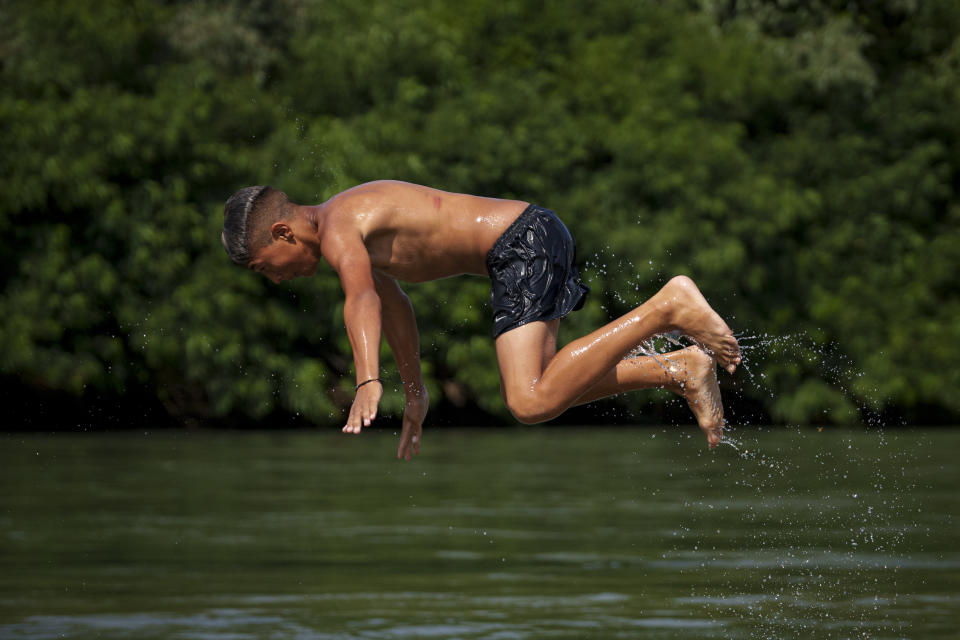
(364,408)
(413,415)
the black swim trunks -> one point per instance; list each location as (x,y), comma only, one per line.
(533,273)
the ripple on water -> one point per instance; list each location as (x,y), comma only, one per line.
(241,624)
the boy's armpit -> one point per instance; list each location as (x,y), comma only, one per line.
(388,289)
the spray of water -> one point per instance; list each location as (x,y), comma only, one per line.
(813,543)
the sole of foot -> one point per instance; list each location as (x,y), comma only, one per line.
(696,375)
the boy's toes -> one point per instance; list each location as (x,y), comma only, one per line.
(713,437)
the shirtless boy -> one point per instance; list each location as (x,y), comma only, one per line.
(378,233)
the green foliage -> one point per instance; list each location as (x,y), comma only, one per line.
(799,162)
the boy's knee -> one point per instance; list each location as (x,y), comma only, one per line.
(525,417)
(529,408)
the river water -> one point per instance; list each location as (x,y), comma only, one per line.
(495,534)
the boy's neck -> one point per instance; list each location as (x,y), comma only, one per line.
(316,215)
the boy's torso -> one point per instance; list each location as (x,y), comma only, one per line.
(415,233)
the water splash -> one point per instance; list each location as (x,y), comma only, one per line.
(862,485)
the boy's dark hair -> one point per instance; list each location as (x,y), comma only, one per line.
(247,217)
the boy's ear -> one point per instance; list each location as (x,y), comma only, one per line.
(281,231)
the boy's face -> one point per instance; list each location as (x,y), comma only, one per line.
(284,259)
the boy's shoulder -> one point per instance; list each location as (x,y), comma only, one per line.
(364,209)
(365,200)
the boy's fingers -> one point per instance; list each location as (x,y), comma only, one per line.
(409,441)
(353,420)
(362,413)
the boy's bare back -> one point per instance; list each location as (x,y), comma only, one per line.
(416,233)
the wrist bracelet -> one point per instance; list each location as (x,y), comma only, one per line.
(366,381)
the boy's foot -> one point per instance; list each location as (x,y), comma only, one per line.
(696,381)
(693,315)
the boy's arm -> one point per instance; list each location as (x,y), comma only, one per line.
(400,327)
(361,315)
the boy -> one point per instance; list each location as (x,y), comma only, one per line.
(377,233)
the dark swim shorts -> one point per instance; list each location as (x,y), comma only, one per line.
(533,273)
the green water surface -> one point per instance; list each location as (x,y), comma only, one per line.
(495,534)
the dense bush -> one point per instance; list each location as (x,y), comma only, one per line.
(800,162)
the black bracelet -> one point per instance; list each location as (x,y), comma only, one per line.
(366,381)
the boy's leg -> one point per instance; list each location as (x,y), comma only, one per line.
(685,372)
(689,373)
(535,392)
